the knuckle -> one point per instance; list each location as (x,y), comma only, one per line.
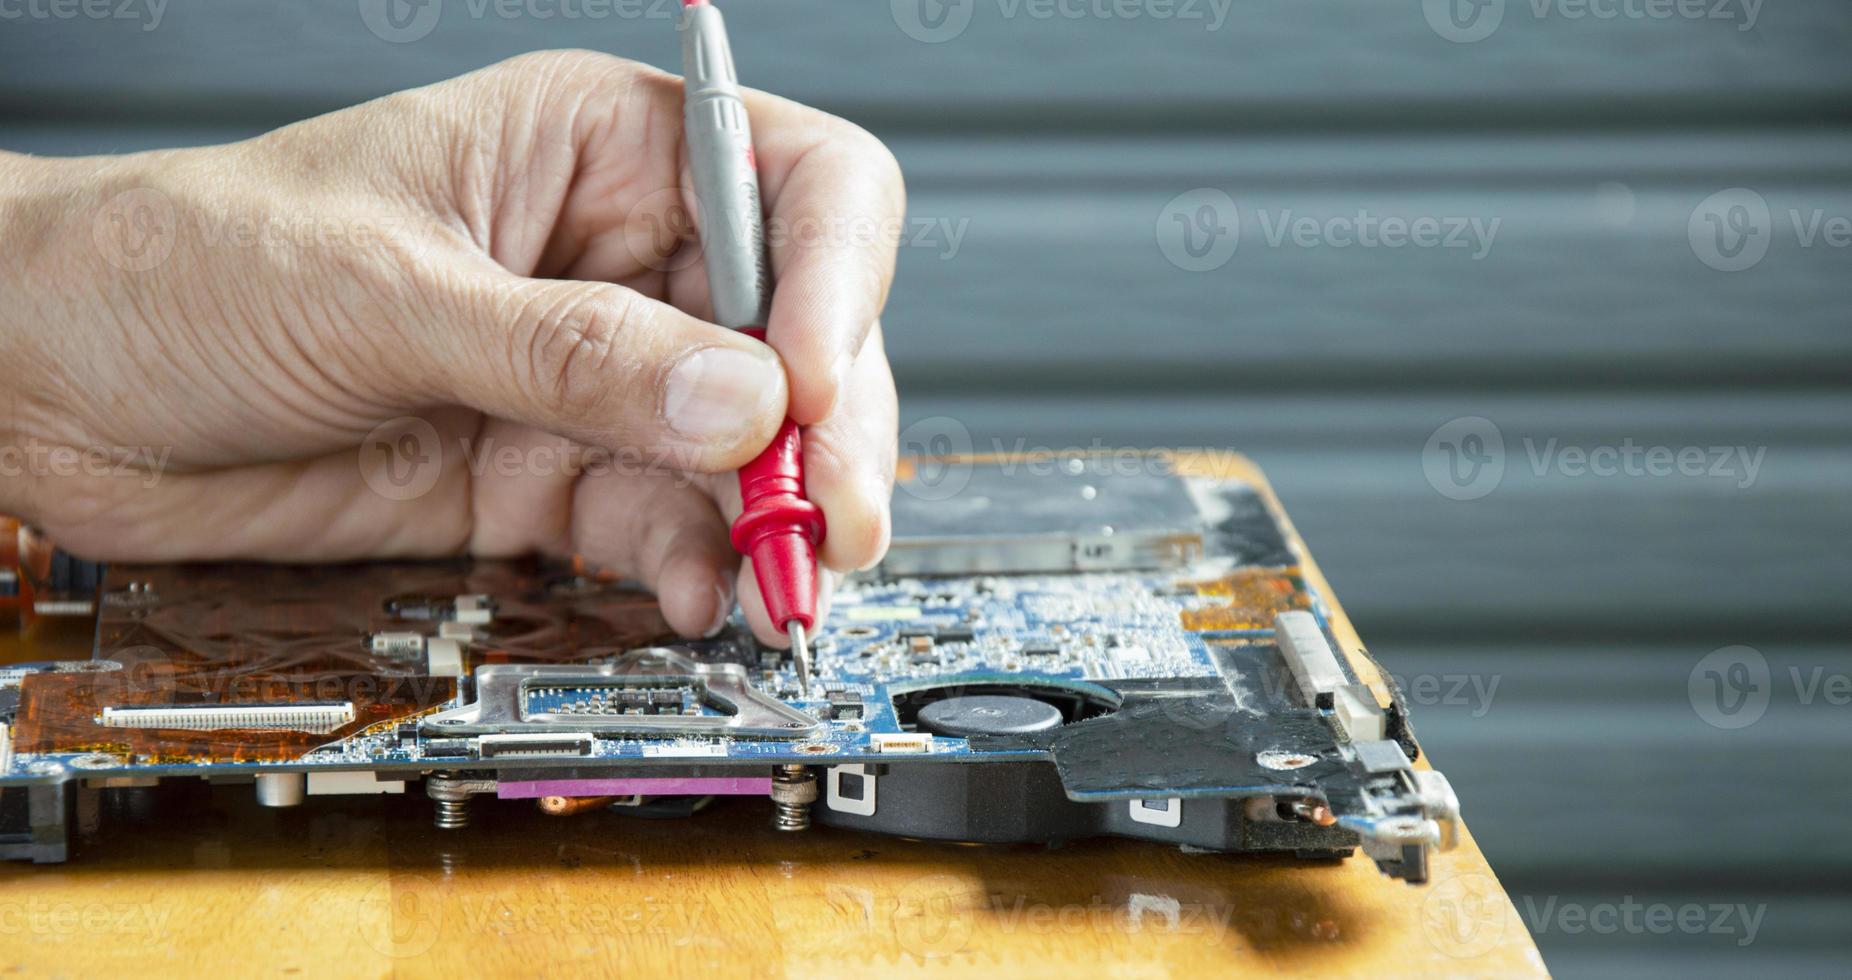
(877,157)
(573,64)
(575,346)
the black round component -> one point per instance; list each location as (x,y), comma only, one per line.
(988,714)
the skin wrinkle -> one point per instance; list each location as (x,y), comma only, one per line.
(474,171)
(472,523)
(307,371)
(189,327)
(569,238)
(284,349)
(555,203)
(571,320)
(234,306)
(619,177)
(523,142)
(355,404)
(359,347)
(496,183)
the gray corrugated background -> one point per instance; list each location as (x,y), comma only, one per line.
(1056,142)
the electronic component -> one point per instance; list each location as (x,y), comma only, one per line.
(989,714)
(318,718)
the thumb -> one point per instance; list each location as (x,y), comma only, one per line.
(608,367)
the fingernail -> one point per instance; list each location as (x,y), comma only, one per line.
(714,390)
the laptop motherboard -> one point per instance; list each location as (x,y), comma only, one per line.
(1057,647)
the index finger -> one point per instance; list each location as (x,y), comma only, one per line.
(835,205)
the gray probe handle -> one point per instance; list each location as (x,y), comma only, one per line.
(726,184)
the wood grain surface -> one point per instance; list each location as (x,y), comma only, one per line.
(200,881)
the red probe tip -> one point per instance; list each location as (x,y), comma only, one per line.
(779,529)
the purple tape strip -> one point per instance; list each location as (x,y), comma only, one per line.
(652,786)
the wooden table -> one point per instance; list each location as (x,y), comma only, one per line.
(195,881)
(214,884)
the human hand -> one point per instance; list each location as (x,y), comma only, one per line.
(490,284)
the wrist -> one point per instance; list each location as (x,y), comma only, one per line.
(34,211)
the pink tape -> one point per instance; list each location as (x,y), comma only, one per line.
(650,786)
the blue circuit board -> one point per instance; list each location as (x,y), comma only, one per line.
(1076,630)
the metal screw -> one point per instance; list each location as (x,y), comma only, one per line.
(451,795)
(794,789)
(451,814)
